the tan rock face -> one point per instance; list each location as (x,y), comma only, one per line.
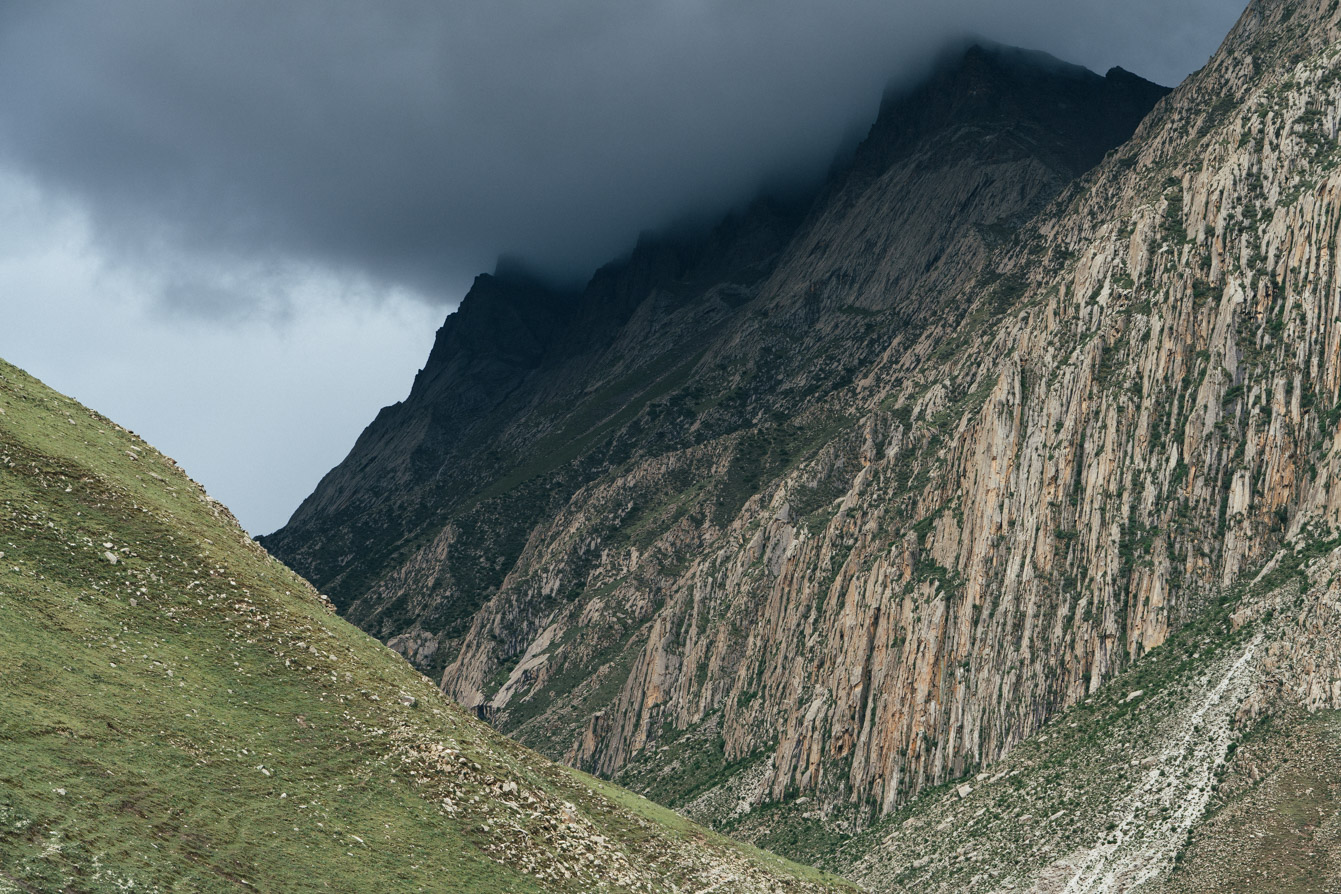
(1161,780)
(1026,514)
(995,452)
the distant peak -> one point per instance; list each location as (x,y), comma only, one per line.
(961,58)
(512,269)
(514,273)
(1073,114)
(1118,74)
(1019,59)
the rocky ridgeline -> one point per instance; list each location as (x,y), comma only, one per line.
(1143,425)
(1147,431)
(960,444)
(741,610)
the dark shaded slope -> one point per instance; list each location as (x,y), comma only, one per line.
(1064,113)
(522,382)
(955,466)
(529,393)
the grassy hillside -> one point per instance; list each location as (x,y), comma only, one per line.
(179,712)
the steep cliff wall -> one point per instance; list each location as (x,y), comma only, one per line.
(954,448)
(1036,498)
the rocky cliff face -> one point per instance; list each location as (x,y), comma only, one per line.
(1210,765)
(857,498)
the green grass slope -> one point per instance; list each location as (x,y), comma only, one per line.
(179,712)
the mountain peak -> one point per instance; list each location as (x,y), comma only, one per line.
(1065,111)
(1020,59)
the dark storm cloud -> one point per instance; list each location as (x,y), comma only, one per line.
(412,143)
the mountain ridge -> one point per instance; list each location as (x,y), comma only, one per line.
(998,172)
(974,527)
(986,435)
(759,233)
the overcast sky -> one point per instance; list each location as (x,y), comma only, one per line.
(235,226)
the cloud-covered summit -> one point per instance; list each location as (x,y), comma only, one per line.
(408,144)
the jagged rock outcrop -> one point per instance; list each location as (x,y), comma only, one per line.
(873,491)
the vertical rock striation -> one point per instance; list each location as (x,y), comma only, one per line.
(865,492)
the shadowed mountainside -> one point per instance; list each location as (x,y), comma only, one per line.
(865,507)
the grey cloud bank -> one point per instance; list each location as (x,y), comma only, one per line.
(412,143)
(235,224)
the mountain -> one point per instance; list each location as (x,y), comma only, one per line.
(473,524)
(1013,452)
(182,712)
(529,394)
